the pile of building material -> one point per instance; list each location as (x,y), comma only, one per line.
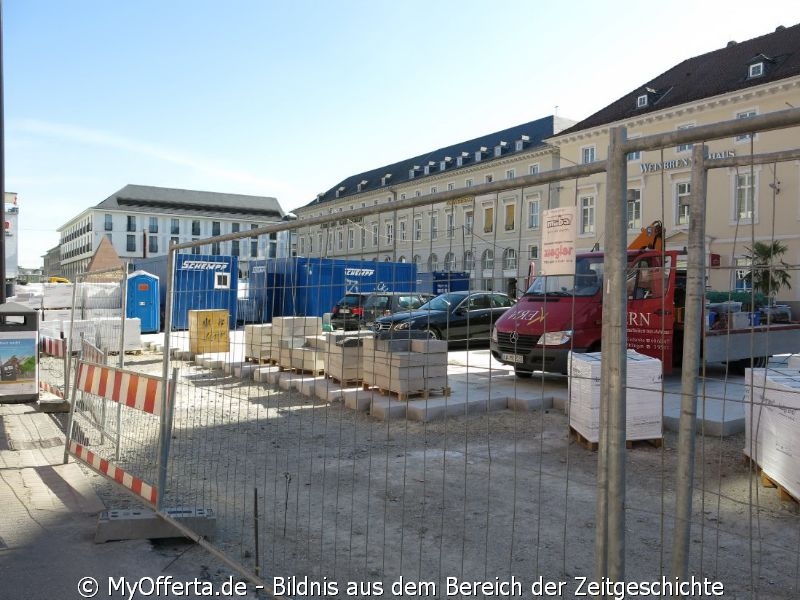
(772,426)
(644,404)
(289,339)
(344,357)
(109,332)
(405,367)
(258,342)
(75,331)
(101,295)
(60,295)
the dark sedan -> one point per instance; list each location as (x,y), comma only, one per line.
(455,316)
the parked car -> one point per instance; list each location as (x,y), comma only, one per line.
(382,304)
(455,316)
(347,312)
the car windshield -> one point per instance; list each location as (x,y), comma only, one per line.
(587,281)
(442,302)
(350,301)
(377,302)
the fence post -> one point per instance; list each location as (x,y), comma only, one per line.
(693,316)
(168,393)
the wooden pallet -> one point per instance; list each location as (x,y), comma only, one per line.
(784,495)
(344,382)
(313,372)
(260,361)
(629,444)
(415,395)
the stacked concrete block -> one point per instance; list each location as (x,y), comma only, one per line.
(644,383)
(59,295)
(110,330)
(405,367)
(290,334)
(79,329)
(772,425)
(343,358)
(258,342)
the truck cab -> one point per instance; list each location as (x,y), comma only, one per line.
(563,313)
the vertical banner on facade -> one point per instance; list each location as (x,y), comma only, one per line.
(12,235)
(558,241)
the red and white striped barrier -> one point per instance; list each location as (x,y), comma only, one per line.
(54,346)
(91,353)
(46,387)
(135,390)
(139,487)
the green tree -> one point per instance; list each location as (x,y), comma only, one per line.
(768,271)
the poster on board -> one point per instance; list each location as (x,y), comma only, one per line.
(12,235)
(558,241)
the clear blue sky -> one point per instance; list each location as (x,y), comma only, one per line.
(285,99)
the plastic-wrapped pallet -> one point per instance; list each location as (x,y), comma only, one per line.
(101,295)
(644,406)
(772,424)
(59,295)
(109,330)
(79,329)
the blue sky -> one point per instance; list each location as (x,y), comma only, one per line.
(286,99)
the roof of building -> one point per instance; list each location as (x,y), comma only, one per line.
(150,199)
(531,134)
(719,72)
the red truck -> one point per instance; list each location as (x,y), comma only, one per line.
(563,313)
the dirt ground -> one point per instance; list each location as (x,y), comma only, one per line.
(347,500)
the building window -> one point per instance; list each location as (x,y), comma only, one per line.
(433,263)
(510,259)
(175,227)
(235,247)
(741,272)
(469,222)
(588,155)
(451,224)
(351,238)
(195,249)
(533,252)
(745,115)
(533,169)
(253,248)
(215,228)
(131,224)
(510,174)
(330,241)
(153,225)
(375,234)
(451,186)
(487,261)
(216,250)
(683,192)
(152,244)
(339,239)
(417,229)
(434,189)
(450,261)
(417,261)
(402,259)
(745,191)
(469,261)
(468,183)
(756,70)
(533,213)
(488,219)
(587,215)
(509,216)
(109,223)
(634,209)
(434,225)
(488,178)
(195,227)
(319,242)
(131,244)
(363,237)
(401,230)
(173,241)
(684,147)
(389,233)
(641,101)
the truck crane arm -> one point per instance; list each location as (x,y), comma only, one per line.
(650,238)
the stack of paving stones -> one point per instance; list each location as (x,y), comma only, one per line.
(343,357)
(405,368)
(289,334)
(258,342)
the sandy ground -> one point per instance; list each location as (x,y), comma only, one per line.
(495,497)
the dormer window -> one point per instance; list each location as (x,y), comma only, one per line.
(412,171)
(520,143)
(443,163)
(386,178)
(756,70)
(340,190)
(479,153)
(498,150)
(641,101)
(361,185)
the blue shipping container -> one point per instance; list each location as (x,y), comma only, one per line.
(202,282)
(311,286)
(144,300)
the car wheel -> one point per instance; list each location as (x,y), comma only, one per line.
(433,334)
(522,374)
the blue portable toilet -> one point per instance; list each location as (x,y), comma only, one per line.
(144,300)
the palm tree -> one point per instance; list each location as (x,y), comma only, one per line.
(768,271)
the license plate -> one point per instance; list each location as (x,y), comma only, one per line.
(345,311)
(512,358)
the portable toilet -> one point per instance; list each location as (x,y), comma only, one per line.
(143,301)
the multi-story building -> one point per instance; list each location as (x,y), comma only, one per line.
(142,221)
(744,204)
(479,234)
(497,236)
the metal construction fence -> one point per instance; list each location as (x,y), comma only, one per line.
(352,445)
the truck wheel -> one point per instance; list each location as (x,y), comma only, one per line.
(522,374)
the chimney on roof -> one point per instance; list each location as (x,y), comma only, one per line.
(779,28)
(731,44)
